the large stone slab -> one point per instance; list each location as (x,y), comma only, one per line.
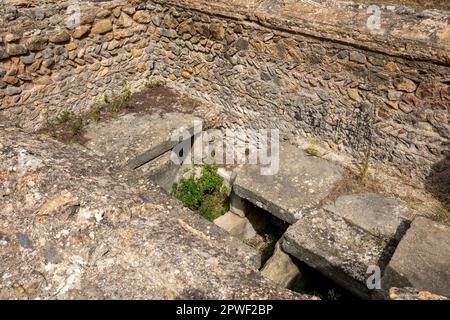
(374,213)
(338,249)
(71,229)
(301,183)
(133,139)
(422,259)
(162,171)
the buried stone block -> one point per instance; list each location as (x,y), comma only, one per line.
(281,269)
(338,249)
(236,226)
(134,139)
(237,205)
(422,259)
(301,183)
(376,214)
(162,170)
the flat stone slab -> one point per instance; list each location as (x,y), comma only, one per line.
(338,249)
(70,229)
(161,170)
(301,183)
(133,139)
(374,213)
(422,259)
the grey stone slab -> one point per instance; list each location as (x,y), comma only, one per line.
(338,249)
(134,139)
(422,259)
(162,170)
(111,242)
(301,183)
(374,213)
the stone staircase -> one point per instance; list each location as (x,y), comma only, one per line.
(344,237)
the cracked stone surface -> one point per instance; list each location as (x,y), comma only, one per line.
(422,259)
(301,184)
(374,213)
(134,139)
(340,250)
(70,228)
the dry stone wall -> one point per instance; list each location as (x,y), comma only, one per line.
(304,69)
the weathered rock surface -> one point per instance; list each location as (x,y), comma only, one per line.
(412,294)
(301,184)
(135,138)
(374,213)
(235,225)
(162,170)
(422,259)
(70,229)
(281,269)
(341,251)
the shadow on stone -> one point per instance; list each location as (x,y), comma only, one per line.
(438,181)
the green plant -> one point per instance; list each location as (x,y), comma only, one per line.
(154,83)
(97,111)
(364,171)
(268,247)
(106,98)
(115,106)
(64,117)
(205,194)
(312,151)
(126,92)
(210,180)
(77,126)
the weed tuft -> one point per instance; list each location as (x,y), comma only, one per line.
(205,194)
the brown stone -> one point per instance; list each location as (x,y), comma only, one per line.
(81,31)
(121,34)
(16,49)
(187,27)
(37,43)
(186,74)
(44,80)
(142,17)
(71,46)
(353,94)
(404,84)
(217,30)
(103,13)
(35,66)
(102,26)
(60,37)
(426,89)
(11,80)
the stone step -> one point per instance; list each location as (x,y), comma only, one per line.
(144,133)
(301,184)
(422,259)
(376,214)
(97,238)
(338,249)
(162,171)
(133,139)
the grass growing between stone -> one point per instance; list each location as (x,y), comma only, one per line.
(68,127)
(204,195)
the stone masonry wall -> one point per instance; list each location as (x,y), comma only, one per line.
(307,70)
